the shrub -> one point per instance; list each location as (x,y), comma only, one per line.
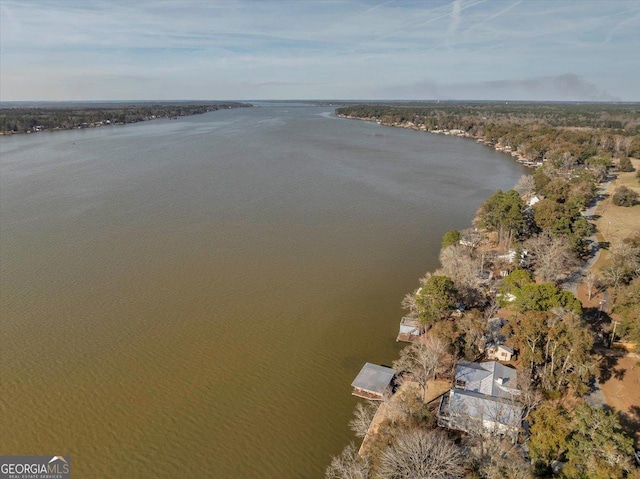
(623,196)
(625,165)
(450,238)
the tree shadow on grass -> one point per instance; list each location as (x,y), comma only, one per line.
(619,373)
(630,422)
(607,368)
(590,313)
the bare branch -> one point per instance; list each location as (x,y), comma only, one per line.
(348,465)
(363,415)
(422,454)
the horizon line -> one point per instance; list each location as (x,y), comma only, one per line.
(334,100)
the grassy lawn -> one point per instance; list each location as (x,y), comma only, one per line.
(618,222)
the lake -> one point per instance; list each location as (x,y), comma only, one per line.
(193,297)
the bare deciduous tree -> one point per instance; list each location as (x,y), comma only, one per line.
(625,264)
(525,185)
(614,275)
(552,256)
(473,333)
(529,396)
(363,415)
(600,172)
(409,304)
(422,360)
(491,309)
(458,263)
(503,459)
(471,239)
(591,281)
(568,161)
(419,454)
(348,465)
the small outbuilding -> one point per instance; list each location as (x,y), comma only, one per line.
(499,352)
(410,330)
(372,381)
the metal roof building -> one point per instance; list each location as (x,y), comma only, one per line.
(372,381)
(484,395)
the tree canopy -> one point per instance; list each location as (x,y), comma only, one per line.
(555,346)
(531,296)
(435,299)
(597,448)
(503,212)
(450,238)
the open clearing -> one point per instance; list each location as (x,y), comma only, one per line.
(619,222)
(621,390)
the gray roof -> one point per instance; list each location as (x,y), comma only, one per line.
(487,394)
(506,348)
(490,378)
(475,405)
(373,378)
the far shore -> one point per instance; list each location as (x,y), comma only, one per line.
(27,120)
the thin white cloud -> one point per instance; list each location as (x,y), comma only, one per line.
(344,46)
(456,12)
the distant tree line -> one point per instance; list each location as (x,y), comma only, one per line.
(559,132)
(31,119)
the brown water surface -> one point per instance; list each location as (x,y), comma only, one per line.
(193,298)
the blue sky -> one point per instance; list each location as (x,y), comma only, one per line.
(261,49)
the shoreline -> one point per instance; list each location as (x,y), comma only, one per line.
(584,267)
(100,117)
(520,156)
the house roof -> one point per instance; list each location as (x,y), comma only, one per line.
(406,320)
(484,391)
(373,378)
(494,346)
(490,378)
(479,406)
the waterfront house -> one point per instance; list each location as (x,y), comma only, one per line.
(482,399)
(373,381)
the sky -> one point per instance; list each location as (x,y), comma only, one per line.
(560,50)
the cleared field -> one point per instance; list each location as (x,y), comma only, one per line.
(622,391)
(619,222)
